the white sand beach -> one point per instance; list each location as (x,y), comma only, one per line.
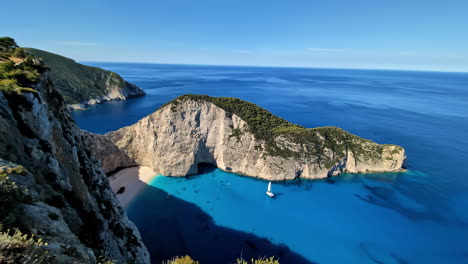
(135,179)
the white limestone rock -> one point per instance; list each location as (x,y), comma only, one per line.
(193,130)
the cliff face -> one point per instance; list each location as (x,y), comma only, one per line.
(70,204)
(200,129)
(111,157)
(82,85)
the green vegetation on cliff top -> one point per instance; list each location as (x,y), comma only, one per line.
(268,127)
(18,71)
(77,82)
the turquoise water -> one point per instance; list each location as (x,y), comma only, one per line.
(416,217)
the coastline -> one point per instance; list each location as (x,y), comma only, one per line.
(134,179)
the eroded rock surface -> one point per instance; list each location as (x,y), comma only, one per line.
(111,157)
(241,137)
(70,204)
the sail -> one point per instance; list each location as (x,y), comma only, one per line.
(269,186)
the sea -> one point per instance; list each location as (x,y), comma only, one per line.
(419,216)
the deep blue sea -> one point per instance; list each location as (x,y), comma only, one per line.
(420,216)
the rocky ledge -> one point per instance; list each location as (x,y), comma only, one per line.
(241,137)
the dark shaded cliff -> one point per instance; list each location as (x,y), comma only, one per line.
(65,196)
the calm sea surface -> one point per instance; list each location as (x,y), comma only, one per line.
(420,216)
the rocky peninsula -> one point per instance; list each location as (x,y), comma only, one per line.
(241,137)
(82,85)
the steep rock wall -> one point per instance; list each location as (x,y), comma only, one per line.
(73,207)
(182,134)
(111,157)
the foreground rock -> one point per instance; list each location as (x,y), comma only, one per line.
(82,85)
(241,137)
(67,200)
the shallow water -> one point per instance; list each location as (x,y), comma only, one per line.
(416,217)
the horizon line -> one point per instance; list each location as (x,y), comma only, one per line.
(272,66)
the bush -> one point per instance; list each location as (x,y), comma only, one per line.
(16,247)
(264,260)
(7,186)
(19,53)
(9,190)
(104,260)
(181,260)
(17,78)
(7,44)
(10,86)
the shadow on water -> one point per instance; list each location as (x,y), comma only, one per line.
(172,227)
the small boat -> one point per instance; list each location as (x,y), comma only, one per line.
(269,193)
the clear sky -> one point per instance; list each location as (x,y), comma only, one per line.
(381,34)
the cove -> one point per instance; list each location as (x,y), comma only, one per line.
(415,217)
(360,218)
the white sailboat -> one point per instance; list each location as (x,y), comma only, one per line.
(269,193)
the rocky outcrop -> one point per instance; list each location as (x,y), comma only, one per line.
(240,137)
(82,85)
(115,89)
(70,204)
(111,157)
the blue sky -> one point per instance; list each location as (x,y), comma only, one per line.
(373,34)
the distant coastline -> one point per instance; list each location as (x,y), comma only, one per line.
(91,63)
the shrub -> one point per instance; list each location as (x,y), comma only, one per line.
(188,260)
(181,260)
(16,247)
(9,190)
(19,53)
(20,77)
(264,260)
(104,260)
(7,44)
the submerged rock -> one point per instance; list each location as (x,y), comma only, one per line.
(241,137)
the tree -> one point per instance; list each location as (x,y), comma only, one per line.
(19,53)
(7,43)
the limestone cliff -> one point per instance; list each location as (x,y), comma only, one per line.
(111,157)
(241,137)
(70,204)
(82,85)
